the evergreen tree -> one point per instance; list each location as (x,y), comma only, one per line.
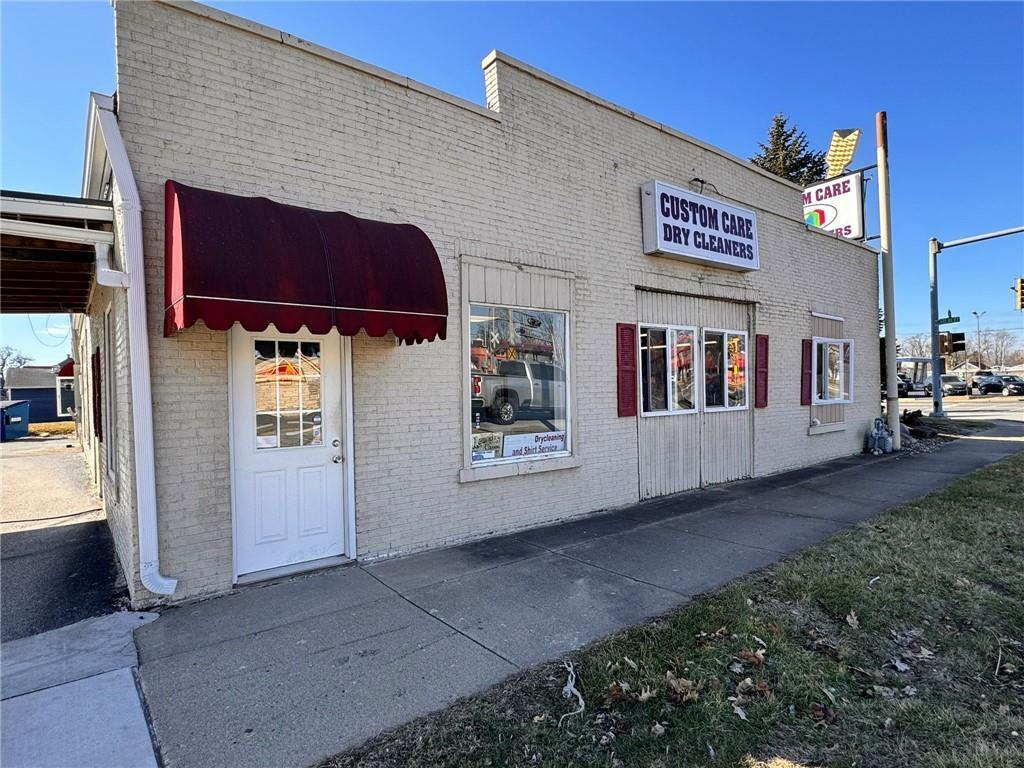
(787,155)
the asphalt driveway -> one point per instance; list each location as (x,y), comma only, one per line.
(57,554)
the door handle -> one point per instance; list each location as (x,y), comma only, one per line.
(336,443)
(337,459)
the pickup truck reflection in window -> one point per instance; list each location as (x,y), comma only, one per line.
(519,383)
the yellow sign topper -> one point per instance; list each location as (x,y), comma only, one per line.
(840,151)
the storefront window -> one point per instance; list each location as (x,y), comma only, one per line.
(519,384)
(833,370)
(666,370)
(725,369)
(287,381)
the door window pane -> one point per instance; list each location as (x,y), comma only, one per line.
(287,393)
(518,385)
(737,372)
(682,370)
(653,381)
(714,369)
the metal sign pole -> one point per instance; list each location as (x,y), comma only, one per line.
(892,401)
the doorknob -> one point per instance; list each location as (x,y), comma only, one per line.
(337,459)
(336,443)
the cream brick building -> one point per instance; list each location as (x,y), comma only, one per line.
(533,206)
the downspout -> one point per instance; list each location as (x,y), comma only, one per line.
(128,211)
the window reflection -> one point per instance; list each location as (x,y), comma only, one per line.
(652,368)
(682,370)
(287,393)
(714,369)
(518,382)
(737,371)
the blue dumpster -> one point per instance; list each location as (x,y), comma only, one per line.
(13,419)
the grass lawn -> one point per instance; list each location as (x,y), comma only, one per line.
(897,643)
(52,428)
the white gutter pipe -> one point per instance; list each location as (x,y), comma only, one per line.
(128,211)
(105,274)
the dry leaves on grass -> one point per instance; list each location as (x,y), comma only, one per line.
(751,658)
(852,620)
(822,714)
(707,638)
(679,690)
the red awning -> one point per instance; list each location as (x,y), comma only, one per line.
(253,261)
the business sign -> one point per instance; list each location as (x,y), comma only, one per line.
(533,444)
(684,225)
(837,206)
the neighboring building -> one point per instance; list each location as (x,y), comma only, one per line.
(614,310)
(41,386)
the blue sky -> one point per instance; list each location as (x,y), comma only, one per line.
(950,75)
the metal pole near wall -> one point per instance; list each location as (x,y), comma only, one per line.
(892,401)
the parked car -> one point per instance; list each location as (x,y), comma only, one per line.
(902,390)
(1012,385)
(988,384)
(978,378)
(951,385)
(516,386)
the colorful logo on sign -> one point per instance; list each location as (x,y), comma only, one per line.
(821,216)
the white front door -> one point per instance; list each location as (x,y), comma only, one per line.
(287,449)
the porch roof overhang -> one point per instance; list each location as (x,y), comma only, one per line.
(257,262)
(48,250)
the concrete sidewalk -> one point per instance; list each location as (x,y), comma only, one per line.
(292,672)
(69,698)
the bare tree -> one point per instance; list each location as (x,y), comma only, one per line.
(1003,345)
(918,345)
(10,358)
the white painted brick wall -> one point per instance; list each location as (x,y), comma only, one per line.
(554,182)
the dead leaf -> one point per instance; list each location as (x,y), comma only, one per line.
(632,664)
(657,729)
(740,712)
(909,691)
(900,666)
(540,718)
(616,691)
(821,714)
(680,690)
(828,692)
(871,674)
(753,658)
(759,641)
(887,725)
(880,692)
(852,620)
(736,668)
(1008,668)
(646,694)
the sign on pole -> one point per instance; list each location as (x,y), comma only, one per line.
(948,320)
(837,206)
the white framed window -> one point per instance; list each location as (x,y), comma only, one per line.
(667,373)
(832,370)
(724,373)
(519,383)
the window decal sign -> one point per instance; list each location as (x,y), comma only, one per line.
(684,225)
(837,206)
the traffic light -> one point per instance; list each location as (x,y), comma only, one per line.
(957,342)
(1020,293)
(945,347)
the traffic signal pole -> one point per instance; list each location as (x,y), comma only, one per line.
(935,247)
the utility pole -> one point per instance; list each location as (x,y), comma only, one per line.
(892,401)
(977,316)
(935,247)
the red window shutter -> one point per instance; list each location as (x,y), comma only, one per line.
(805,372)
(761,371)
(97,395)
(625,352)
